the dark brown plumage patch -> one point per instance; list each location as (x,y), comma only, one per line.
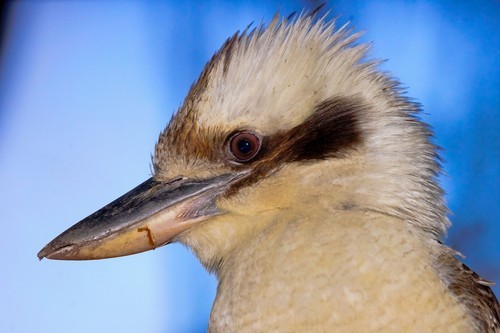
(227,51)
(472,291)
(331,131)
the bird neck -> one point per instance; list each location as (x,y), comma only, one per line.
(336,268)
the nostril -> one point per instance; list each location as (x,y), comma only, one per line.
(176,180)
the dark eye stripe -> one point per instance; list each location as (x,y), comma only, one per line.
(331,131)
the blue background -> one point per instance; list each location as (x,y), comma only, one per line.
(86,87)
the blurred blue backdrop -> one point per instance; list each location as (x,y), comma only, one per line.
(86,87)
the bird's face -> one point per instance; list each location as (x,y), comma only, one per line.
(278,118)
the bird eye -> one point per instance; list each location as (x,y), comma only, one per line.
(244,146)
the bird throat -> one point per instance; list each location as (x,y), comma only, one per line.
(333,270)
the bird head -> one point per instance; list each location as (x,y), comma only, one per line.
(289,118)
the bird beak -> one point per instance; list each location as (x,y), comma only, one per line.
(149,216)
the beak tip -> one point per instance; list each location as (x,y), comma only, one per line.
(44,253)
(54,251)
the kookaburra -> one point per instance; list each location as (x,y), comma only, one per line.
(300,175)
